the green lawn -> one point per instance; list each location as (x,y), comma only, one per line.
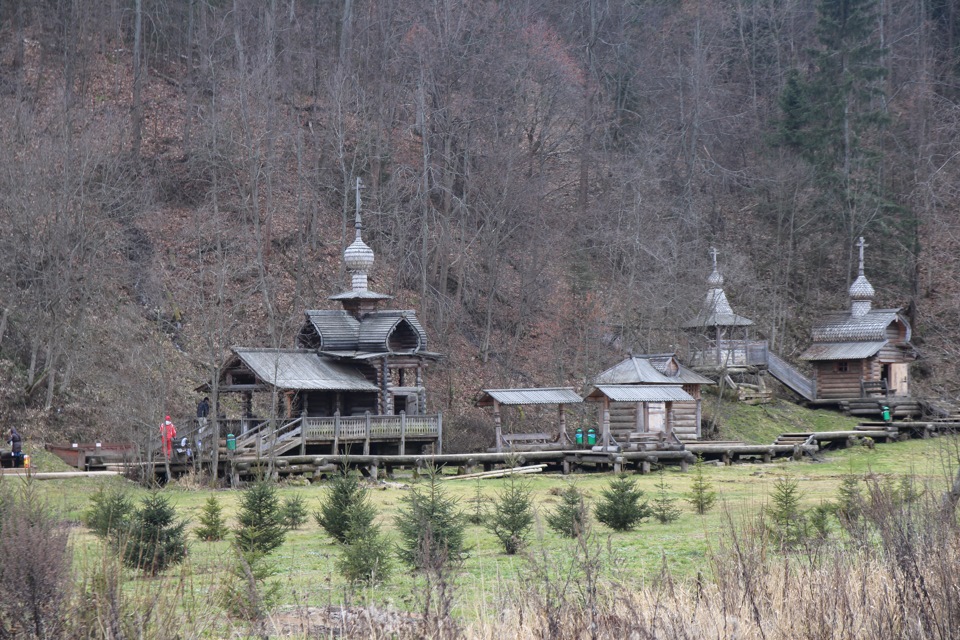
(307,559)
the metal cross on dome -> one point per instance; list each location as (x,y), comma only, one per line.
(357,221)
(862,245)
(713,254)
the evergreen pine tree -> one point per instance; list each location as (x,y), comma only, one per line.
(571,516)
(702,495)
(430,525)
(849,503)
(258,529)
(512,516)
(664,507)
(109,512)
(293,513)
(788,523)
(344,495)
(478,506)
(366,557)
(155,540)
(212,525)
(620,507)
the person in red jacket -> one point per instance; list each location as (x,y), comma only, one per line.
(167,433)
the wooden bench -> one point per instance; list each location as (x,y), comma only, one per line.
(531,441)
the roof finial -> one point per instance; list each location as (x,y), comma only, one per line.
(862,245)
(715,280)
(356,223)
(713,254)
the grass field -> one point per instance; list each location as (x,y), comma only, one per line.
(306,561)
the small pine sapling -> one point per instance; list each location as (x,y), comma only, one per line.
(512,516)
(849,504)
(109,513)
(702,495)
(664,507)
(788,523)
(345,494)
(620,506)
(365,559)
(258,530)
(293,513)
(571,516)
(212,527)
(430,525)
(478,507)
(155,539)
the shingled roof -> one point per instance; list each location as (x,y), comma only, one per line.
(340,331)
(845,327)
(299,369)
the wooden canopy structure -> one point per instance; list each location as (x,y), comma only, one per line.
(862,352)
(560,396)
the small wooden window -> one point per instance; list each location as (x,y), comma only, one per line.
(842,367)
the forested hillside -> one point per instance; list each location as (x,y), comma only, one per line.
(543,182)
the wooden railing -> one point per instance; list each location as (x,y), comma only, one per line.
(368,427)
(732,353)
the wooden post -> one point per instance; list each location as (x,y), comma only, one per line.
(566,467)
(562,425)
(645,467)
(638,417)
(366,433)
(605,426)
(403,433)
(684,465)
(439,433)
(336,432)
(498,425)
(303,436)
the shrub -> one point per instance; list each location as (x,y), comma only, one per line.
(35,571)
(293,513)
(570,518)
(478,507)
(246,594)
(664,507)
(345,495)
(620,507)
(366,557)
(258,529)
(430,525)
(702,495)
(109,512)
(212,525)
(155,540)
(788,523)
(512,516)
(849,504)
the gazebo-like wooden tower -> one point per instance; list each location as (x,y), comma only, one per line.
(718,337)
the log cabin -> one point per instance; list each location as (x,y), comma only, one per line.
(650,395)
(355,376)
(861,352)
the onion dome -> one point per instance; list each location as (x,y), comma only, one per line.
(358,256)
(861,291)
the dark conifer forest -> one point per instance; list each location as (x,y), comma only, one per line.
(543,182)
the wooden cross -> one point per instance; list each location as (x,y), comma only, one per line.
(713,254)
(862,246)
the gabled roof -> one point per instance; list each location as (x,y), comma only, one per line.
(649,369)
(546,395)
(843,326)
(340,331)
(661,361)
(633,370)
(842,350)
(298,369)
(633,393)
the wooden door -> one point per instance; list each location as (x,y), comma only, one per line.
(656,417)
(898,380)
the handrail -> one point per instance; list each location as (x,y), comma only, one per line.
(355,427)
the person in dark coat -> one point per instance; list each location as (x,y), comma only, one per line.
(16,445)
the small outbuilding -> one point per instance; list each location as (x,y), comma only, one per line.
(555,437)
(648,395)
